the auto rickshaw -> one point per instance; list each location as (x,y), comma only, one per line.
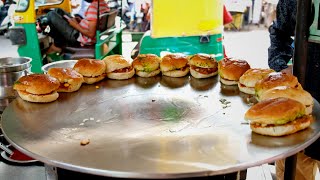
(33,44)
(187,27)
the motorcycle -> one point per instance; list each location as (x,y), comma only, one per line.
(6,17)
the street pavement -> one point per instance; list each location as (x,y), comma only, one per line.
(6,49)
(251,45)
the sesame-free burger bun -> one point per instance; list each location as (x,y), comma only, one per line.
(276,79)
(118,67)
(38,98)
(275,111)
(203,66)
(92,70)
(37,88)
(300,95)
(174,65)
(90,67)
(146,65)
(70,80)
(249,79)
(282,130)
(278,117)
(230,71)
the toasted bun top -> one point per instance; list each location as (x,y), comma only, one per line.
(277,79)
(90,67)
(275,111)
(173,61)
(37,84)
(146,62)
(203,61)
(64,74)
(115,62)
(232,69)
(252,76)
(292,93)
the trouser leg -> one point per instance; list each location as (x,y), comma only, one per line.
(61,31)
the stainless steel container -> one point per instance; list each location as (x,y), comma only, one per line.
(11,69)
(60,64)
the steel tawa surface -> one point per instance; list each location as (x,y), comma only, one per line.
(157,127)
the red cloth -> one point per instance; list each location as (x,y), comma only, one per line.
(227,17)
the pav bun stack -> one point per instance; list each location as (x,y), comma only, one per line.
(146,65)
(70,80)
(278,117)
(249,79)
(276,79)
(174,65)
(203,66)
(231,70)
(40,88)
(292,93)
(118,67)
(92,70)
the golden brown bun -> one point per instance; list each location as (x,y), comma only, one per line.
(37,84)
(148,74)
(146,63)
(203,61)
(92,80)
(292,93)
(115,62)
(173,62)
(245,89)
(276,79)
(203,66)
(70,80)
(232,69)
(45,98)
(228,82)
(122,75)
(252,76)
(198,75)
(275,111)
(285,129)
(176,73)
(90,67)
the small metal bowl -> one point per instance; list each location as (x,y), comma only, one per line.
(61,64)
(10,64)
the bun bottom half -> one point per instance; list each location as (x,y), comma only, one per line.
(247,90)
(228,82)
(285,129)
(71,88)
(92,80)
(176,73)
(148,74)
(198,75)
(38,98)
(121,76)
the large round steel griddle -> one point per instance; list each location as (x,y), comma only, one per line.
(148,128)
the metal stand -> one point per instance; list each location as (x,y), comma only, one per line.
(301,41)
(290,167)
(51,172)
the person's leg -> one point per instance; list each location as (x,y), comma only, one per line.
(61,12)
(61,31)
(305,170)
